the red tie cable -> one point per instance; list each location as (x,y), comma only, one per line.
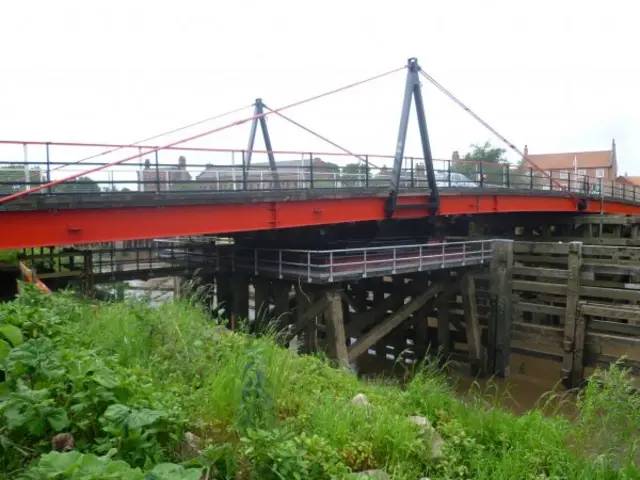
(194,137)
(492,130)
(137,144)
(315,134)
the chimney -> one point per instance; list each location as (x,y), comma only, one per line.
(455,157)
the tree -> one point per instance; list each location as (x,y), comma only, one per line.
(355,174)
(486,159)
(79,185)
(14,178)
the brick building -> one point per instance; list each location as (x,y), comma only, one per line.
(291,173)
(600,164)
(164,178)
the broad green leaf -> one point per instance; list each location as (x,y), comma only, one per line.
(4,351)
(142,418)
(54,464)
(12,333)
(58,419)
(171,471)
(117,413)
(14,417)
(107,378)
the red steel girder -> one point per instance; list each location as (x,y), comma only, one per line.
(24,229)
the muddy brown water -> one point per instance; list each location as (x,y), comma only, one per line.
(532,383)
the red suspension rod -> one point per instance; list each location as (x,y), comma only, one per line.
(194,137)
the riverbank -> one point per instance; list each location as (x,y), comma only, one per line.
(165,390)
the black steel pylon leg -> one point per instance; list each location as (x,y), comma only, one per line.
(413,90)
(246,161)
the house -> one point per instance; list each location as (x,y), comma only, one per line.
(163,178)
(562,167)
(291,174)
(629,181)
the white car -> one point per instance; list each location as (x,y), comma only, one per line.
(453,180)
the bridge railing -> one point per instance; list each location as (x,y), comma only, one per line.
(181,171)
(322,266)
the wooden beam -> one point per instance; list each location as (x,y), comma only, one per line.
(280,290)
(361,321)
(472,326)
(357,307)
(573,342)
(260,302)
(240,298)
(498,354)
(541,248)
(540,272)
(540,287)
(379,331)
(336,340)
(308,313)
(604,326)
(621,312)
(541,308)
(610,293)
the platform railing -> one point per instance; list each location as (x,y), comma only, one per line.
(112,260)
(201,170)
(321,266)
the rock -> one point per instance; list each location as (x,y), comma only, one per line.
(373,474)
(191,446)
(360,399)
(437,443)
(62,442)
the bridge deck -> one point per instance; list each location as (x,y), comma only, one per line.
(74,219)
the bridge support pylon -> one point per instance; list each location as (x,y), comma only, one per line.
(413,90)
(259,118)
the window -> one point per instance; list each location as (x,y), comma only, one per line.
(600,173)
(563,175)
(582,172)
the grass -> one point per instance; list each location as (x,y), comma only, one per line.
(132,379)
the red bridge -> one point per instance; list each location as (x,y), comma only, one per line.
(49,200)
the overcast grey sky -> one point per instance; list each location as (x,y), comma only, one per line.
(556,75)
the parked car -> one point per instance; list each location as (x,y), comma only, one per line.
(453,180)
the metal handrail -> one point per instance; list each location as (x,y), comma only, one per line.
(33,163)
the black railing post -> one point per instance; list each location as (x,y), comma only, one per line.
(551,180)
(481,176)
(530,178)
(157,173)
(366,171)
(449,173)
(569,182)
(48,167)
(412,185)
(244,172)
(508,175)
(311,170)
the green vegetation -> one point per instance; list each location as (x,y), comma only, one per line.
(125,391)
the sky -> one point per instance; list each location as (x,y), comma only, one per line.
(554,75)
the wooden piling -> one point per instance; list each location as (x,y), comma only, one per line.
(573,344)
(472,325)
(260,303)
(240,299)
(336,340)
(501,273)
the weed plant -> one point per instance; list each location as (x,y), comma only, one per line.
(127,381)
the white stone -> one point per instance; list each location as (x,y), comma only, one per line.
(360,399)
(437,443)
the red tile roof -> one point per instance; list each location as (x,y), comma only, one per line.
(549,161)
